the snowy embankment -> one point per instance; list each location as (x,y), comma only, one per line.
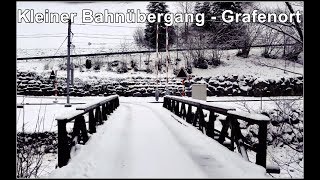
(254,65)
(145,141)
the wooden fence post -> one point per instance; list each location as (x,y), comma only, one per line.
(210,125)
(164,102)
(176,108)
(195,118)
(183,111)
(261,155)
(224,130)
(92,122)
(63,147)
(104,113)
(80,129)
(169,104)
(189,114)
(108,108)
(202,122)
(98,115)
(172,105)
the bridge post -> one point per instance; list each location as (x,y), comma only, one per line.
(201,119)
(168,104)
(189,114)
(210,125)
(164,102)
(104,113)
(261,155)
(111,106)
(108,108)
(195,117)
(63,147)
(98,115)
(182,110)
(117,102)
(224,130)
(92,122)
(176,109)
(80,126)
(172,105)
(233,126)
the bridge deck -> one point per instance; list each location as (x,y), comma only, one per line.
(144,140)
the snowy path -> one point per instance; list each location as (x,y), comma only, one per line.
(143,140)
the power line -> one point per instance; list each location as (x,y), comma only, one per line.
(101,37)
(102,34)
(39,36)
(60,45)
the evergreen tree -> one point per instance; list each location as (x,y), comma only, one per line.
(204,8)
(151,27)
(219,31)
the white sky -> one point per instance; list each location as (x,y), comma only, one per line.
(118,33)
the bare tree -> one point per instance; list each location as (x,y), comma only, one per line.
(138,37)
(293,31)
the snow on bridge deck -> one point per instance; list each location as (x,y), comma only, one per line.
(144,140)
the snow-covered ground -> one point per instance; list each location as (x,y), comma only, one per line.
(145,141)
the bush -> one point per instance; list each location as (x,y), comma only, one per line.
(96,67)
(201,62)
(133,63)
(88,64)
(123,68)
(244,52)
(114,63)
(214,62)
(149,70)
(97,64)
(189,70)
(268,55)
(46,66)
(175,71)
(63,66)
(203,65)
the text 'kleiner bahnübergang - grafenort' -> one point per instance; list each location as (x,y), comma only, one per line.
(132,16)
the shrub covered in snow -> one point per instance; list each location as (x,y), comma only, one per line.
(88,64)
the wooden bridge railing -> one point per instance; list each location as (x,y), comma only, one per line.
(231,123)
(97,112)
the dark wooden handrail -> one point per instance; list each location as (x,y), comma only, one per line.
(97,111)
(172,103)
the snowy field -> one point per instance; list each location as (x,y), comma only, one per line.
(254,65)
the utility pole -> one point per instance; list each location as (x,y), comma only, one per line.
(157,51)
(177,42)
(68,64)
(157,64)
(72,65)
(167,59)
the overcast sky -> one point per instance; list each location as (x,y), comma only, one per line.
(118,34)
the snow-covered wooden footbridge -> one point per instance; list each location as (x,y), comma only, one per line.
(144,140)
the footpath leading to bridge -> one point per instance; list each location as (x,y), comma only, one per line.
(145,140)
